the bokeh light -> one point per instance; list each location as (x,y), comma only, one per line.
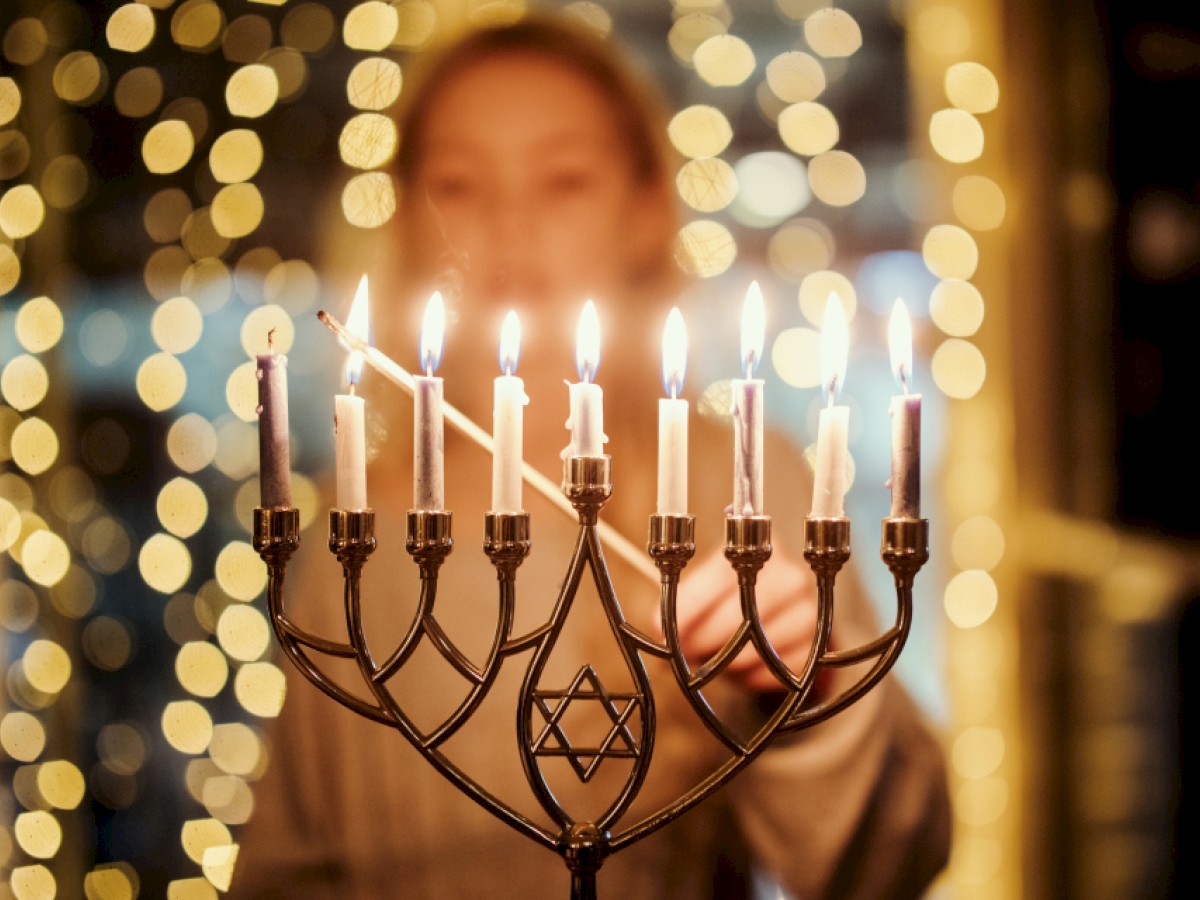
(243,633)
(832,32)
(240,571)
(176,325)
(814,294)
(956,135)
(46,666)
(374,83)
(370,26)
(201,668)
(959,369)
(369,200)
(796,356)
(187,726)
(45,558)
(24,382)
(837,178)
(795,77)
(161,381)
(236,156)
(22,735)
(182,507)
(950,252)
(130,28)
(38,833)
(260,688)
(724,60)
(252,91)
(705,248)
(700,131)
(970,598)
(191,442)
(707,185)
(21,211)
(167,147)
(808,128)
(978,202)
(956,307)
(237,210)
(165,563)
(972,87)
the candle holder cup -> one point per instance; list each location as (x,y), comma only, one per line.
(584,842)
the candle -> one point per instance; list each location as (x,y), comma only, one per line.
(429,489)
(586,419)
(274,445)
(905,482)
(507,422)
(349,430)
(673,421)
(829,487)
(747,411)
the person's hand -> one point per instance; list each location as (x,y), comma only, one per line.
(709,611)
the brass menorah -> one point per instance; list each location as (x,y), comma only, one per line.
(584,843)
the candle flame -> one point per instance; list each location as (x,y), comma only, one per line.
(510,343)
(433,333)
(674,353)
(900,344)
(358,324)
(587,342)
(835,347)
(754,325)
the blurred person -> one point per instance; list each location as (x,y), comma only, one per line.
(533,174)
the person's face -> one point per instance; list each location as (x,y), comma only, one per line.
(525,187)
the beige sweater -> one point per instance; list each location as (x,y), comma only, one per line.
(854,807)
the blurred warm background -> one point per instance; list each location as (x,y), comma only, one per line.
(176,178)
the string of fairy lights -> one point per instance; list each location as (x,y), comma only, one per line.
(60,538)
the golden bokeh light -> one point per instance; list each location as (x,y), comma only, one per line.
(959,369)
(368,140)
(167,146)
(705,248)
(72,494)
(46,666)
(235,156)
(241,392)
(22,211)
(106,545)
(45,557)
(164,563)
(236,749)
(165,213)
(108,882)
(837,178)
(950,252)
(10,524)
(15,155)
(201,668)
(374,83)
(978,202)
(690,31)
(309,28)
(33,883)
(39,324)
(237,210)
(970,598)
(796,357)
(182,507)
(418,21)
(227,798)
(590,14)
(121,747)
(981,801)
(218,865)
(10,268)
(240,572)
(971,486)
(978,543)
(22,736)
(814,292)
(724,60)
(38,833)
(243,633)
(369,200)
(978,751)
(61,784)
(25,41)
(80,78)
(130,28)
(707,185)
(832,33)
(75,595)
(795,77)
(187,726)
(800,247)
(24,382)
(246,39)
(972,87)
(260,688)
(956,307)
(138,92)
(942,30)
(370,26)
(107,643)
(208,281)
(176,325)
(252,91)
(197,25)
(237,447)
(305,495)
(956,135)
(293,284)
(700,131)
(202,241)
(808,128)
(65,182)
(161,381)
(197,835)
(291,71)
(163,272)
(10,100)
(191,442)
(193,112)
(191,889)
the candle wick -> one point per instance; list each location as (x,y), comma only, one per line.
(271,340)
(904,379)
(832,392)
(508,370)
(352,387)
(674,389)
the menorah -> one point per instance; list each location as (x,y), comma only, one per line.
(585,842)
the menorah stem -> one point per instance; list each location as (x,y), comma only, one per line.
(583,847)
(583,886)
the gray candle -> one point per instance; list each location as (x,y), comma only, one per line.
(274,444)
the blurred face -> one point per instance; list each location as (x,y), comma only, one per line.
(525,189)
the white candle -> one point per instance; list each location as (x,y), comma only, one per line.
(508,413)
(274,443)
(429,487)
(747,411)
(673,421)
(905,410)
(350,442)
(833,427)
(586,419)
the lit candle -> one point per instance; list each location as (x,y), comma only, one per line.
(673,420)
(906,420)
(429,489)
(508,421)
(747,410)
(348,415)
(829,487)
(274,444)
(587,399)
